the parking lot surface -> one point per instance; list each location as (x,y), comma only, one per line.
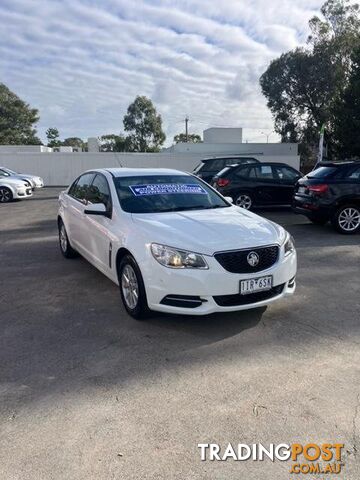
(86,392)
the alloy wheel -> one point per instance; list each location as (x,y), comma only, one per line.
(130,286)
(349,219)
(5,195)
(244,201)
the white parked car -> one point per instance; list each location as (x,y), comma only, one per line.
(34,180)
(13,189)
(173,244)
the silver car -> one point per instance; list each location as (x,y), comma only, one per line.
(33,180)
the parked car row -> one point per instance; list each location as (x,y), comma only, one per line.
(17,186)
(331,192)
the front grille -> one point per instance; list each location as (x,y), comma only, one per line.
(238,299)
(237,261)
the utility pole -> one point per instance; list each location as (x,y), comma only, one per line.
(186,129)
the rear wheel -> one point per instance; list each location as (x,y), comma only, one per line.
(5,195)
(346,219)
(132,289)
(65,247)
(244,200)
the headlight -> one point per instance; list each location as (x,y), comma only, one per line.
(289,245)
(174,258)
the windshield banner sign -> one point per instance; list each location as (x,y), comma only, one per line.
(167,188)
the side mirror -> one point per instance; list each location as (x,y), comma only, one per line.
(96,209)
(229,199)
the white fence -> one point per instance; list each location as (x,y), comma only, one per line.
(61,168)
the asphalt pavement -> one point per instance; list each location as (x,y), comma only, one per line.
(86,392)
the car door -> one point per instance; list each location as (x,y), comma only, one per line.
(76,201)
(265,185)
(99,237)
(285,177)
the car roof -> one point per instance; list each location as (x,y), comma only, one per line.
(234,157)
(133,172)
(337,164)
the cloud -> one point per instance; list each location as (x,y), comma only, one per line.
(81,62)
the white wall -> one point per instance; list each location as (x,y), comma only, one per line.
(61,168)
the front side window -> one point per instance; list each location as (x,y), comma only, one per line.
(354,174)
(3,173)
(99,191)
(286,173)
(214,165)
(80,188)
(165,193)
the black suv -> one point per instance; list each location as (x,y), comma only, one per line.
(211,166)
(331,192)
(261,184)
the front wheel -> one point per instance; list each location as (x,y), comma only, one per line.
(5,195)
(132,289)
(346,219)
(244,200)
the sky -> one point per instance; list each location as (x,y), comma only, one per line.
(82,62)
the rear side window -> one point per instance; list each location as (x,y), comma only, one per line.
(322,172)
(80,188)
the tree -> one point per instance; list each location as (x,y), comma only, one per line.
(17,120)
(347,129)
(75,142)
(192,138)
(52,134)
(113,143)
(304,86)
(144,125)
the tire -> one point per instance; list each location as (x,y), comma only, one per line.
(244,200)
(6,195)
(318,220)
(65,247)
(346,219)
(132,288)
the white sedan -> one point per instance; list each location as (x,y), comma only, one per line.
(173,244)
(13,189)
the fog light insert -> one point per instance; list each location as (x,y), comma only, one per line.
(183,301)
(291,282)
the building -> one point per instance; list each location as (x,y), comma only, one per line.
(60,168)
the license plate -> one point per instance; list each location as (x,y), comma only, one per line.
(301,189)
(256,285)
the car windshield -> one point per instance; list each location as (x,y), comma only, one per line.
(165,193)
(322,172)
(3,173)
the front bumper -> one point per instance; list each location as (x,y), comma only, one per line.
(217,288)
(22,193)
